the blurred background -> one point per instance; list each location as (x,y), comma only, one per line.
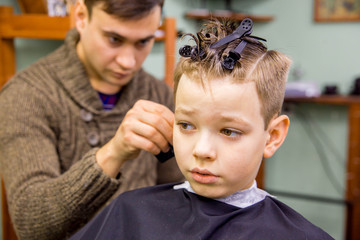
(309,171)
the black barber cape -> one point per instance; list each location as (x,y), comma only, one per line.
(161,212)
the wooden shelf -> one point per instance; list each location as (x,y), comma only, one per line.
(326,99)
(202,14)
(38,26)
(33,6)
(42,27)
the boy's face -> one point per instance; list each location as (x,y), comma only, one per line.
(219,135)
(113,49)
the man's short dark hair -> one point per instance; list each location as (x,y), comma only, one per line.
(125,9)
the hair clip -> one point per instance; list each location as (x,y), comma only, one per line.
(230,60)
(244,29)
(234,55)
(191,51)
(185,51)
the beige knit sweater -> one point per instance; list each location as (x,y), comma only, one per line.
(51,124)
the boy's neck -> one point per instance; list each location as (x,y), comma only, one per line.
(241,199)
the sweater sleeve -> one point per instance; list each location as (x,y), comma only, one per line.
(45,201)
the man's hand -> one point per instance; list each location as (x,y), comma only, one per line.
(148,126)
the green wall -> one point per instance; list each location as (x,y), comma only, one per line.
(312,161)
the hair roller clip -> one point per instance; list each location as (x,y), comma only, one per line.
(230,60)
(202,54)
(191,51)
(245,29)
(197,53)
(185,51)
(194,53)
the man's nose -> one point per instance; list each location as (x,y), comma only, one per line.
(126,57)
(205,147)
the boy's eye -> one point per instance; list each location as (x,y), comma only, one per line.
(185,126)
(230,133)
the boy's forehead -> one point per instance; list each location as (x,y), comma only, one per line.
(218,88)
(208,82)
(219,100)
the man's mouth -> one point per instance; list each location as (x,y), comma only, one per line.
(120,75)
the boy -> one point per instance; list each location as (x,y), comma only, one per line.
(228,95)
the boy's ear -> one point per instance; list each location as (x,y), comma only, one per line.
(277,131)
(80,15)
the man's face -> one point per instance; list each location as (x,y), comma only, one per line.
(114,49)
(219,135)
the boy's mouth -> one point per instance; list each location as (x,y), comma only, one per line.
(203,176)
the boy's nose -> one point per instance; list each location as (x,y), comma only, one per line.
(205,148)
(126,58)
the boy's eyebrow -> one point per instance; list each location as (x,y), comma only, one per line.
(114,34)
(235,118)
(224,117)
(184,110)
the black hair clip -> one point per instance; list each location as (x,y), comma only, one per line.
(230,60)
(245,29)
(185,51)
(191,51)
(195,52)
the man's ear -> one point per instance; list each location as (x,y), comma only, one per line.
(277,131)
(81,15)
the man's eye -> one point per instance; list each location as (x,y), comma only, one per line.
(230,133)
(143,43)
(114,40)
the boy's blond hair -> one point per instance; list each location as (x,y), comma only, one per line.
(268,69)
